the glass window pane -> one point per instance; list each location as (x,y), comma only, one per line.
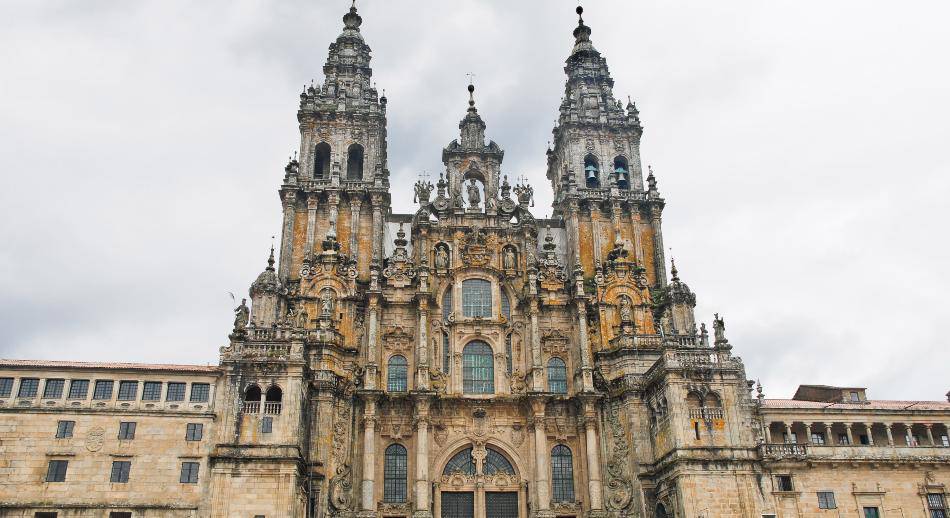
(395,472)
(476,298)
(557,376)
(103,389)
(176,392)
(478,371)
(128,390)
(397,380)
(562,474)
(447,303)
(152,391)
(505,306)
(6,387)
(496,463)
(78,389)
(461,462)
(28,387)
(200,392)
(53,389)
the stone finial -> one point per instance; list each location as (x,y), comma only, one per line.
(673,271)
(651,180)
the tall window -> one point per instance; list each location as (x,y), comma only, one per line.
(394,474)
(476,298)
(562,474)
(64,429)
(56,471)
(937,505)
(189,473)
(396,374)
(447,303)
(127,430)
(446,354)
(53,389)
(193,431)
(505,305)
(354,163)
(591,172)
(557,376)
(826,500)
(321,161)
(478,370)
(871,512)
(120,471)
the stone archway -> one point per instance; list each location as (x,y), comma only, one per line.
(480,480)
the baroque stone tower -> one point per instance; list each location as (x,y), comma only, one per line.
(469,360)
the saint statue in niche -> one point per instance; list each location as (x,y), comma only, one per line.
(626,310)
(441,258)
(474,197)
(508,259)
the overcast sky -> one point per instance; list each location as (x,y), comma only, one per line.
(801,148)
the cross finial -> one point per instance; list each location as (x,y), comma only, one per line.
(425,175)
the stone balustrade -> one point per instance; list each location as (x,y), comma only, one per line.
(706,413)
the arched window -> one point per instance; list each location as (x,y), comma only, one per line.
(321,161)
(505,305)
(461,462)
(476,298)
(447,303)
(478,370)
(396,374)
(354,163)
(252,393)
(272,400)
(495,462)
(591,172)
(693,400)
(622,172)
(395,471)
(557,376)
(712,401)
(562,474)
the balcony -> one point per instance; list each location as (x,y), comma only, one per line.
(706,413)
(269,407)
(785,450)
(866,453)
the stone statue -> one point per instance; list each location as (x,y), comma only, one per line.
(457,200)
(518,385)
(441,258)
(326,303)
(508,260)
(474,197)
(626,310)
(241,316)
(719,329)
(302,319)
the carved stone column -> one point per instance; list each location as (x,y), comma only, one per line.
(370,375)
(635,226)
(312,202)
(355,204)
(808,433)
(587,373)
(536,368)
(376,200)
(768,433)
(422,349)
(422,461)
(870,433)
(890,434)
(788,433)
(930,434)
(573,230)
(659,260)
(828,439)
(287,234)
(334,200)
(594,485)
(369,456)
(847,428)
(542,490)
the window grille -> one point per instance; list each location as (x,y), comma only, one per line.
(458,504)
(28,387)
(557,376)
(501,505)
(562,474)
(64,429)
(200,392)
(478,370)
(937,505)
(56,471)
(6,387)
(476,298)
(152,391)
(120,471)
(396,375)
(53,389)
(127,431)
(395,471)
(128,390)
(194,431)
(175,392)
(103,389)
(189,473)
(78,389)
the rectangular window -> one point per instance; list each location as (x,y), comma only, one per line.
(843,438)
(871,512)
(784,482)
(476,298)
(28,387)
(120,514)
(78,389)
(200,392)
(126,431)
(152,391)
(175,392)
(855,397)
(826,500)
(818,438)
(6,387)
(937,505)
(267,425)
(194,431)
(103,389)
(64,429)
(53,389)
(45,515)
(56,472)
(863,439)
(189,473)
(128,390)
(120,471)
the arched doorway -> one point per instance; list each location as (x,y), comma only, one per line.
(480,482)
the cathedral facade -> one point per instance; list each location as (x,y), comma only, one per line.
(468,360)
